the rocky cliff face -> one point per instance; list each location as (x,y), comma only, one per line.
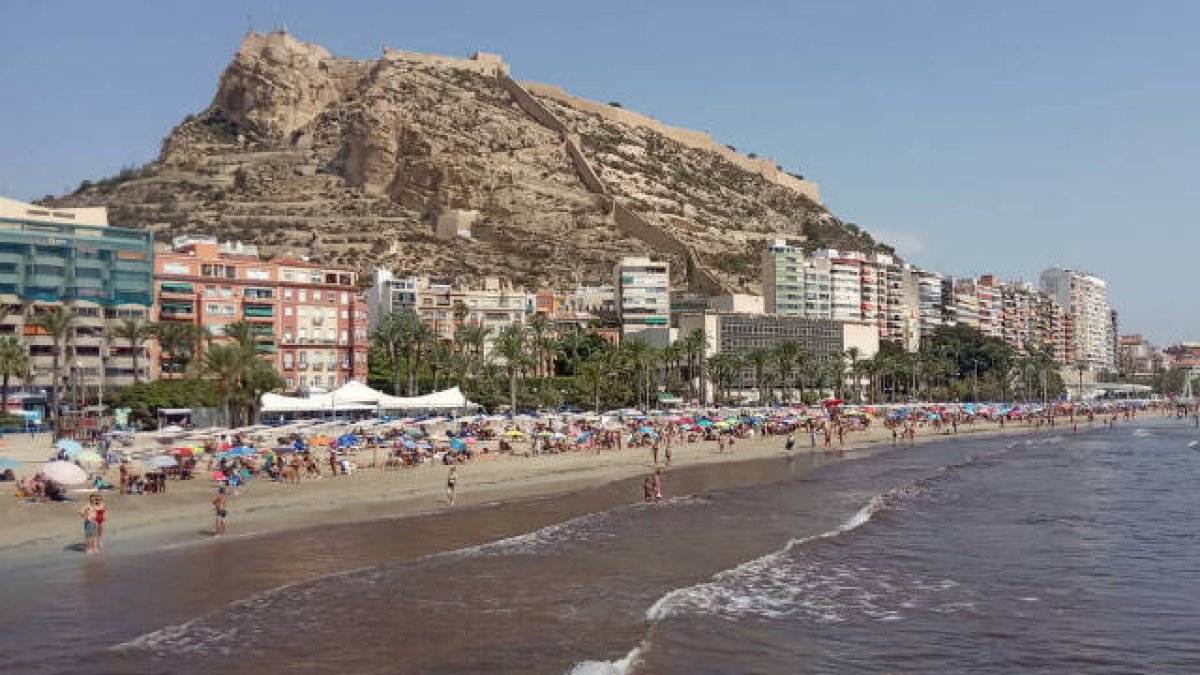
(352,162)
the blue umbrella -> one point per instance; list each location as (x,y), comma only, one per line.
(424,445)
(414,432)
(7,463)
(69,446)
(347,440)
(411,445)
(241,451)
(647,430)
(458,445)
(705,423)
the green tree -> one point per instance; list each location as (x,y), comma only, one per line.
(511,346)
(14,362)
(59,324)
(225,364)
(136,332)
(759,358)
(724,368)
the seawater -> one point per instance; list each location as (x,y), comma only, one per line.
(1053,552)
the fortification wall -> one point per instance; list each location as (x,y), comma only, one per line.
(586,173)
(633,224)
(531,105)
(765,167)
(482,62)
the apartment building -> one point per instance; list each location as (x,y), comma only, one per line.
(783,276)
(310,318)
(1084,296)
(56,257)
(643,295)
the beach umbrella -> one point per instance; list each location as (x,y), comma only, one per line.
(544,434)
(347,440)
(706,423)
(411,445)
(241,451)
(458,445)
(183,452)
(321,440)
(9,463)
(69,446)
(471,440)
(162,461)
(556,436)
(514,433)
(414,432)
(64,472)
(89,457)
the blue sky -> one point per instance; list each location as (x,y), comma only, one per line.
(979,137)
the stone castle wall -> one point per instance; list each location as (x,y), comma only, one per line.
(765,167)
(483,63)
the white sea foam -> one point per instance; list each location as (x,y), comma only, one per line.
(1193,444)
(622,666)
(1142,433)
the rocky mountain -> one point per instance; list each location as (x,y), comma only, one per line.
(356,162)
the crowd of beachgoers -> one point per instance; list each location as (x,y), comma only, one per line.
(231,460)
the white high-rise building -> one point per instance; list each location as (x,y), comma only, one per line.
(783,278)
(643,294)
(1085,298)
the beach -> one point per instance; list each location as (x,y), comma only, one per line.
(184,513)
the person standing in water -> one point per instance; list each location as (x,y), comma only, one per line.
(219,504)
(89,526)
(658,496)
(452,484)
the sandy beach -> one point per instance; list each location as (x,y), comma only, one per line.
(184,513)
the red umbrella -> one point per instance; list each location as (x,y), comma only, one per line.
(183,452)
(833,402)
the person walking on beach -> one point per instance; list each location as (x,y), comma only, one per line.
(89,526)
(668,450)
(452,484)
(658,496)
(654,451)
(219,504)
(791,443)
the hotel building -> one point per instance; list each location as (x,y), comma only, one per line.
(643,294)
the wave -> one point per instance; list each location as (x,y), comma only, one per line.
(786,582)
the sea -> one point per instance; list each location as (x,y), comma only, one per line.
(1052,552)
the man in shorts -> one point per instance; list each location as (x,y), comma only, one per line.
(219,507)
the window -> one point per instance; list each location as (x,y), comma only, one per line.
(303,358)
(287,311)
(303,295)
(260,274)
(176,268)
(345,337)
(287,361)
(290,382)
(345,298)
(303,381)
(303,334)
(345,314)
(287,336)
(287,294)
(331,296)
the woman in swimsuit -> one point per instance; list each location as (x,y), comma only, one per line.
(451,484)
(101,510)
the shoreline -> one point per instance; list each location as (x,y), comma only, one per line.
(35,533)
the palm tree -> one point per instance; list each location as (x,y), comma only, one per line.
(789,355)
(640,356)
(178,340)
(695,344)
(136,332)
(245,335)
(549,348)
(672,354)
(724,367)
(474,337)
(571,345)
(853,356)
(594,369)
(539,326)
(58,322)
(759,357)
(392,334)
(226,364)
(441,355)
(14,362)
(419,339)
(510,346)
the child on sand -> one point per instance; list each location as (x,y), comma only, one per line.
(220,512)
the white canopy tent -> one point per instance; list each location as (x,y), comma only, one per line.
(356,396)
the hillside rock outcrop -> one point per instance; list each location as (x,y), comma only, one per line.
(353,161)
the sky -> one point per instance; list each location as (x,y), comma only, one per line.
(976,137)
